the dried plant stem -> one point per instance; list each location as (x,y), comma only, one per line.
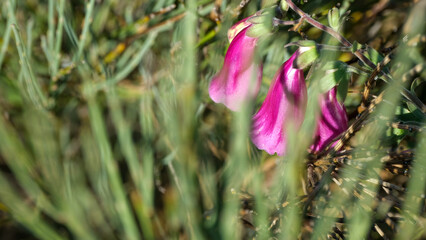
(326,178)
(240,6)
(276,22)
(370,83)
(142,31)
(407,126)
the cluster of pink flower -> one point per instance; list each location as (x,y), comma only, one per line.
(286,99)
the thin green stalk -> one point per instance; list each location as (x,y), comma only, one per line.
(262,218)
(51,25)
(24,214)
(129,152)
(44,46)
(235,171)
(87,21)
(17,158)
(184,123)
(146,118)
(93,167)
(59,31)
(149,41)
(30,26)
(291,168)
(24,169)
(134,62)
(71,33)
(409,227)
(6,39)
(360,222)
(32,86)
(122,203)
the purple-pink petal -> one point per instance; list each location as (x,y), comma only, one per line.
(285,103)
(240,76)
(332,123)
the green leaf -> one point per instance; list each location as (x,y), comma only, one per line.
(356,46)
(413,109)
(335,72)
(417,114)
(258,30)
(306,58)
(373,55)
(258,19)
(409,113)
(342,89)
(417,82)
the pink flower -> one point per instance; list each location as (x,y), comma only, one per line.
(239,80)
(240,77)
(332,123)
(284,103)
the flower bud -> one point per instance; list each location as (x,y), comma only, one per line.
(332,123)
(284,5)
(240,77)
(285,103)
(333,18)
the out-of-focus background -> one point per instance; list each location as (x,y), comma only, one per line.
(107,130)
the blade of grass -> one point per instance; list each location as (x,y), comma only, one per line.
(121,202)
(24,169)
(24,214)
(17,158)
(146,122)
(32,86)
(51,25)
(83,36)
(30,25)
(70,31)
(6,39)
(59,31)
(131,65)
(361,220)
(94,171)
(411,226)
(46,151)
(129,152)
